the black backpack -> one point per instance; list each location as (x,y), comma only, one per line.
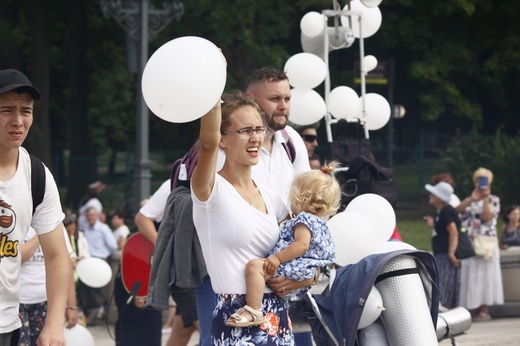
(37,181)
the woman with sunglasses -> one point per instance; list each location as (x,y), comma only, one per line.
(236,219)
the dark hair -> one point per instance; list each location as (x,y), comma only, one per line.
(233,101)
(120,214)
(446,177)
(265,74)
(314,156)
(305,127)
(509,210)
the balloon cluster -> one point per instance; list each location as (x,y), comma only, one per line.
(342,102)
(362,229)
(305,72)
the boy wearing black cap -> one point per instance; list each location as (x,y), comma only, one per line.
(17,95)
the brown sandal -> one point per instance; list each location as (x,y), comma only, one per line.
(238,320)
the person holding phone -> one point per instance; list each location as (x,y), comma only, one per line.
(481,278)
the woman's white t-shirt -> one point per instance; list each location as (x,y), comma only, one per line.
(232,232)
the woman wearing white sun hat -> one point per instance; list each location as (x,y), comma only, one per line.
(446,226)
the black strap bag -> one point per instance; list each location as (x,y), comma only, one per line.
(464,247)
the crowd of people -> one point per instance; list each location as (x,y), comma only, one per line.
(474,282)
(254,197)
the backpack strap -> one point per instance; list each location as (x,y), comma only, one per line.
(37,181)
(288,145)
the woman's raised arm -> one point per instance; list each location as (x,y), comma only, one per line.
(203,176)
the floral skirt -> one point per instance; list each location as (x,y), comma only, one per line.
(276,329)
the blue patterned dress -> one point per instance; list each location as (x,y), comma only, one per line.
(321,251)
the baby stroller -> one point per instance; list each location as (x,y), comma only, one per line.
(407,281)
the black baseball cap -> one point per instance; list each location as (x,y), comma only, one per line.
(12,79)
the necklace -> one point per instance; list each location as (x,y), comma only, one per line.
(246,196)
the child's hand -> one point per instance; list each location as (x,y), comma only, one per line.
(271,265)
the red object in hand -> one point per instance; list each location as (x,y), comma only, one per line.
(136,263)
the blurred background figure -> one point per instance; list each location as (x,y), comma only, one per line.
(121,230)
(481,277)
(511,230)
(33,295)
(446,177)
(446,226)
(314,161)
(101,244)
(309,135)
(90,200)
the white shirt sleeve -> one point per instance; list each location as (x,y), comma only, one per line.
(154,207)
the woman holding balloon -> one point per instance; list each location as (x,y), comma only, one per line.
(236,219)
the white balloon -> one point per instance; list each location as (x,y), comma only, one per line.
(343,103)
(377,209)
(377,111)
(372,309)
(184,79)
(307,106)
(369,63)
(371,3)
(78,336)
(94,272)
(312,24)
(305,70)
(353,235)
(370,21)
(390,246)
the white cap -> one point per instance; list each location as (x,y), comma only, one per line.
(442,190)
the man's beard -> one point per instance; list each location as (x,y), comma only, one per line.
(276,125)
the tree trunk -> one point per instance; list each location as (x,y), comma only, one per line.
(82,166)
(39,140)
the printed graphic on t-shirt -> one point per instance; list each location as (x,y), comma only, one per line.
(8,248)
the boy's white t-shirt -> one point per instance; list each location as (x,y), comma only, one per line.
(15,220)
(232,232)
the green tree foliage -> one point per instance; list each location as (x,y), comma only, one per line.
(499,153)
(455,66)
(455,62)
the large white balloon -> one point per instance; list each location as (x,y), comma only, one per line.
(78,336)
(372,309)
(305,70)
(377,209)
(353,235)
(370,21)
(94,272)
(184,79)
(343,103)
(307,106)
(377,111)
(312,24)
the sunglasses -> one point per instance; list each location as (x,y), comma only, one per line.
(309,138)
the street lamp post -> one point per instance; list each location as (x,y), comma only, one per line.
(141,20)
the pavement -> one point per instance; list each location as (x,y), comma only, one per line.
(497,332)
(104,336)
